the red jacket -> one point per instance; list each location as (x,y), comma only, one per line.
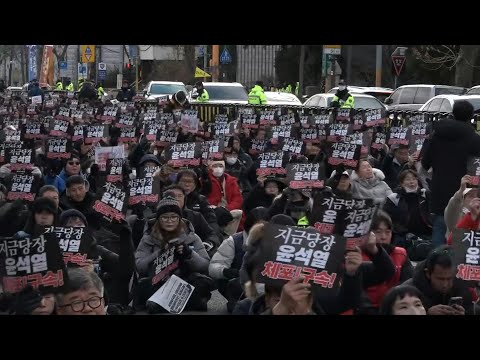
(466,223)
(233,195)
(377,293)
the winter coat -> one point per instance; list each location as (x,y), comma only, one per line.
(229,255)
(447,152)
(454,211)
(202,229)
(466,223)
(56,181)
(409,209)
(392,168)
(432,297)
(257,197)
(231,191)
(150,248)
(85,207)
(374,188)
(239,171)
(196,202)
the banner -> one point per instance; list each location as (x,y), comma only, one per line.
(32,62)
(47,70)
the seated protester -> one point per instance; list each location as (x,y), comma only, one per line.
(225,265)
(13,217)
(293,203)
(30,301)
(382,232)
(263,193)
(459,204)
(72,167)
(347,296)
(82,295)
(409,208)
(44,213)
(78,197)
(367,183)
(147,160)
(235,168)
(435,278)
(170,230)
(115,269)
(200,225)
(189,181)
(394,163)
(403,300)
(52,193)
(339,182)
(225,192)
(235,144)
(51,176)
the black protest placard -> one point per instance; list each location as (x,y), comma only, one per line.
(473,169)
(323,118)
(257,146)
(58,148)
(77,132)
(189,121)
(213,149)
(358,119)
(344,153)
(343,115)
(416,145)
(280,132)
(6,147)
(109,114)
(399,135)
(23,186)
(374,117)
(141,192)
(164,265)
(222,129)
(33,130)
(271,163)
(20,159)
(379,140)
(337,132)
(360,138)
(287,119)
(420,117)
(420,130)
(293,252)
(10,123)
(182,155)
(358,215)
(13,136)
(293,146)
(222,119)
(327,212)
(114,170)
(75,243)
(168,119)
(95,133)
(148,171)
(152,129)
(35,261)
(267,117)
(305,120)
(309,135)
(466,248)
(31,109)
(250,121)
(125,120)
(166,137)
(305,176)
(63,113)
(112,202)
(50,104)
(128,134)
(76,115)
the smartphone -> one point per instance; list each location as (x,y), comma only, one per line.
(456,300)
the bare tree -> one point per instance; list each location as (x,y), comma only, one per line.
(60,52)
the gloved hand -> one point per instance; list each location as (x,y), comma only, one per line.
(27,300)
(183,250)
(231,273)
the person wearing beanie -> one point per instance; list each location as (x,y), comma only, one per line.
(225,265)
(73,218)
(190,260)
(272,302)
(262,194)
(149,160)
(339,182)
(177,101)
(30,301)
(447,152)
(225,191)
(281,219)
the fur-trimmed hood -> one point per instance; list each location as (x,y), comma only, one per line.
(378,175)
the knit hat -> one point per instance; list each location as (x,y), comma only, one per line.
(149,158)
(44,204)
(168,204)
(282,219)
(72,213)
(214,162)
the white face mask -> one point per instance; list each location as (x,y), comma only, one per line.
(231,160)
(218,171)
(39,151)
(341,87)
(155,152)
(411,190)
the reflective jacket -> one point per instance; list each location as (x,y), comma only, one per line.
(59,86)
(203,97)
(344,104)
(257,96)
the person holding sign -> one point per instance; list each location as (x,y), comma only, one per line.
(263,193)
(435,278)
(79,198)
(367,183)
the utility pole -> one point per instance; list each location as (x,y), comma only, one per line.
(205,61)
(349,64)
(300,71)
(11,66)
(378,66)
(215,61)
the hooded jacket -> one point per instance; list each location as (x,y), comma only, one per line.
(257,197)
(374,188)
(447,152)
(224,258)
(231,191)
(150,247)
(196,202)
(85,207)
(432,297)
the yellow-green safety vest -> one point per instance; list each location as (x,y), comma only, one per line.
(348,104)
(257,96)
(204,97)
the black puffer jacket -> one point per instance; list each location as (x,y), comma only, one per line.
(447,152)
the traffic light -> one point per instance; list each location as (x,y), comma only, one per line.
(129,65)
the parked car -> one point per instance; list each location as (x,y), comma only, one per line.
(412,97)
(444,103)
(156,89)
(362,101)
(380,93)
(223,93)
(282,99)
(475,90)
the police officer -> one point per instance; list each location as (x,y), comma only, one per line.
(70,86)
(80,84)
(257,95)
(100,91)
(59,85)
(342,98)
(202,92)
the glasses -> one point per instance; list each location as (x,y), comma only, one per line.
(166,218)
(78,306)
(73,163)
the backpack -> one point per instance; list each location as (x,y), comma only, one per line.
(417,248)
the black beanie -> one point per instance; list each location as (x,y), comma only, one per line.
(67,214)
(43,203)
(168,204)
(282,219)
